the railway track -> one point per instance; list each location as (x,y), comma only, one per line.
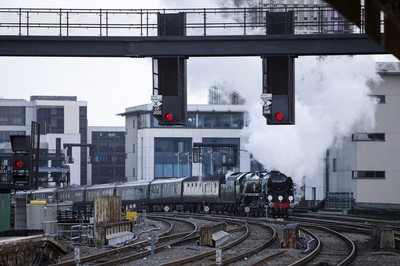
(350,224)
(190,253)
(340,218)
(359,229)
(253,241)
(246,238)
(314,239)
(255,238)
(329,247)
(176,229)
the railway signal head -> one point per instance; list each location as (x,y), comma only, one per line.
(279,116)
(278,85)
(20,162)
(21,173)
(172,112)
(169,117)
(280,113)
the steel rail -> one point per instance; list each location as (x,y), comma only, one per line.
(163,236)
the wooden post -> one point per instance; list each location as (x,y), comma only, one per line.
(382,237)
(290,234)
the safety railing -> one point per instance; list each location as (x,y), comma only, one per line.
(307,19)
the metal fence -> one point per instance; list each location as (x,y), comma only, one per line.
(307,19)
(339,201)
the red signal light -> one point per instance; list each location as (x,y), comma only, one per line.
(279,116)
(19,164)
(169,117)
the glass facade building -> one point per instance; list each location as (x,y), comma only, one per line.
(51,119)
(12,115)
(209,144)
(108,155)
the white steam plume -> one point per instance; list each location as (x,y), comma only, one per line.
(331,98)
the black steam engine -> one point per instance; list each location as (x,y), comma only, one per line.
(279,195)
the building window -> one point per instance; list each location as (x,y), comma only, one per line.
(368,174)
(222,120)
(12,116)
(219,155)
(191,120)
(172,157)
(51,119)
(379,98)
(206,120)
(141,122)
(368,137)
(5,135)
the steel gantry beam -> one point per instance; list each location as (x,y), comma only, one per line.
(189,46)
(381,19)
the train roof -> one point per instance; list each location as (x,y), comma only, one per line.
(205,178)
(237,175)
(72,188)
(44,190)
(169,180)
(133,184)
(100,186)
(21,194)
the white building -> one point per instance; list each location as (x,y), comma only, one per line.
(366,166)
(210,143)
(62,119)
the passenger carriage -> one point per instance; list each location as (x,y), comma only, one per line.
(71,198)
(166,192)
(202,193)
(134,195)
(47,194)
(91,192)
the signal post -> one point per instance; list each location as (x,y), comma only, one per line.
(21,171)
(169,76)
(278,75)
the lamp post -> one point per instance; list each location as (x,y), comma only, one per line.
(211,162)
(177,158)
(188,162)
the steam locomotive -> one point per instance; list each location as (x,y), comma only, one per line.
(243,193)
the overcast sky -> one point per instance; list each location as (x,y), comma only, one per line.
(109,85)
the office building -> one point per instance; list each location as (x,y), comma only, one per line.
(211,143)
(107,162)
(63,120)
(365,166)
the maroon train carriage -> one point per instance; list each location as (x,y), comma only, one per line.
(166,194)
(202,193)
